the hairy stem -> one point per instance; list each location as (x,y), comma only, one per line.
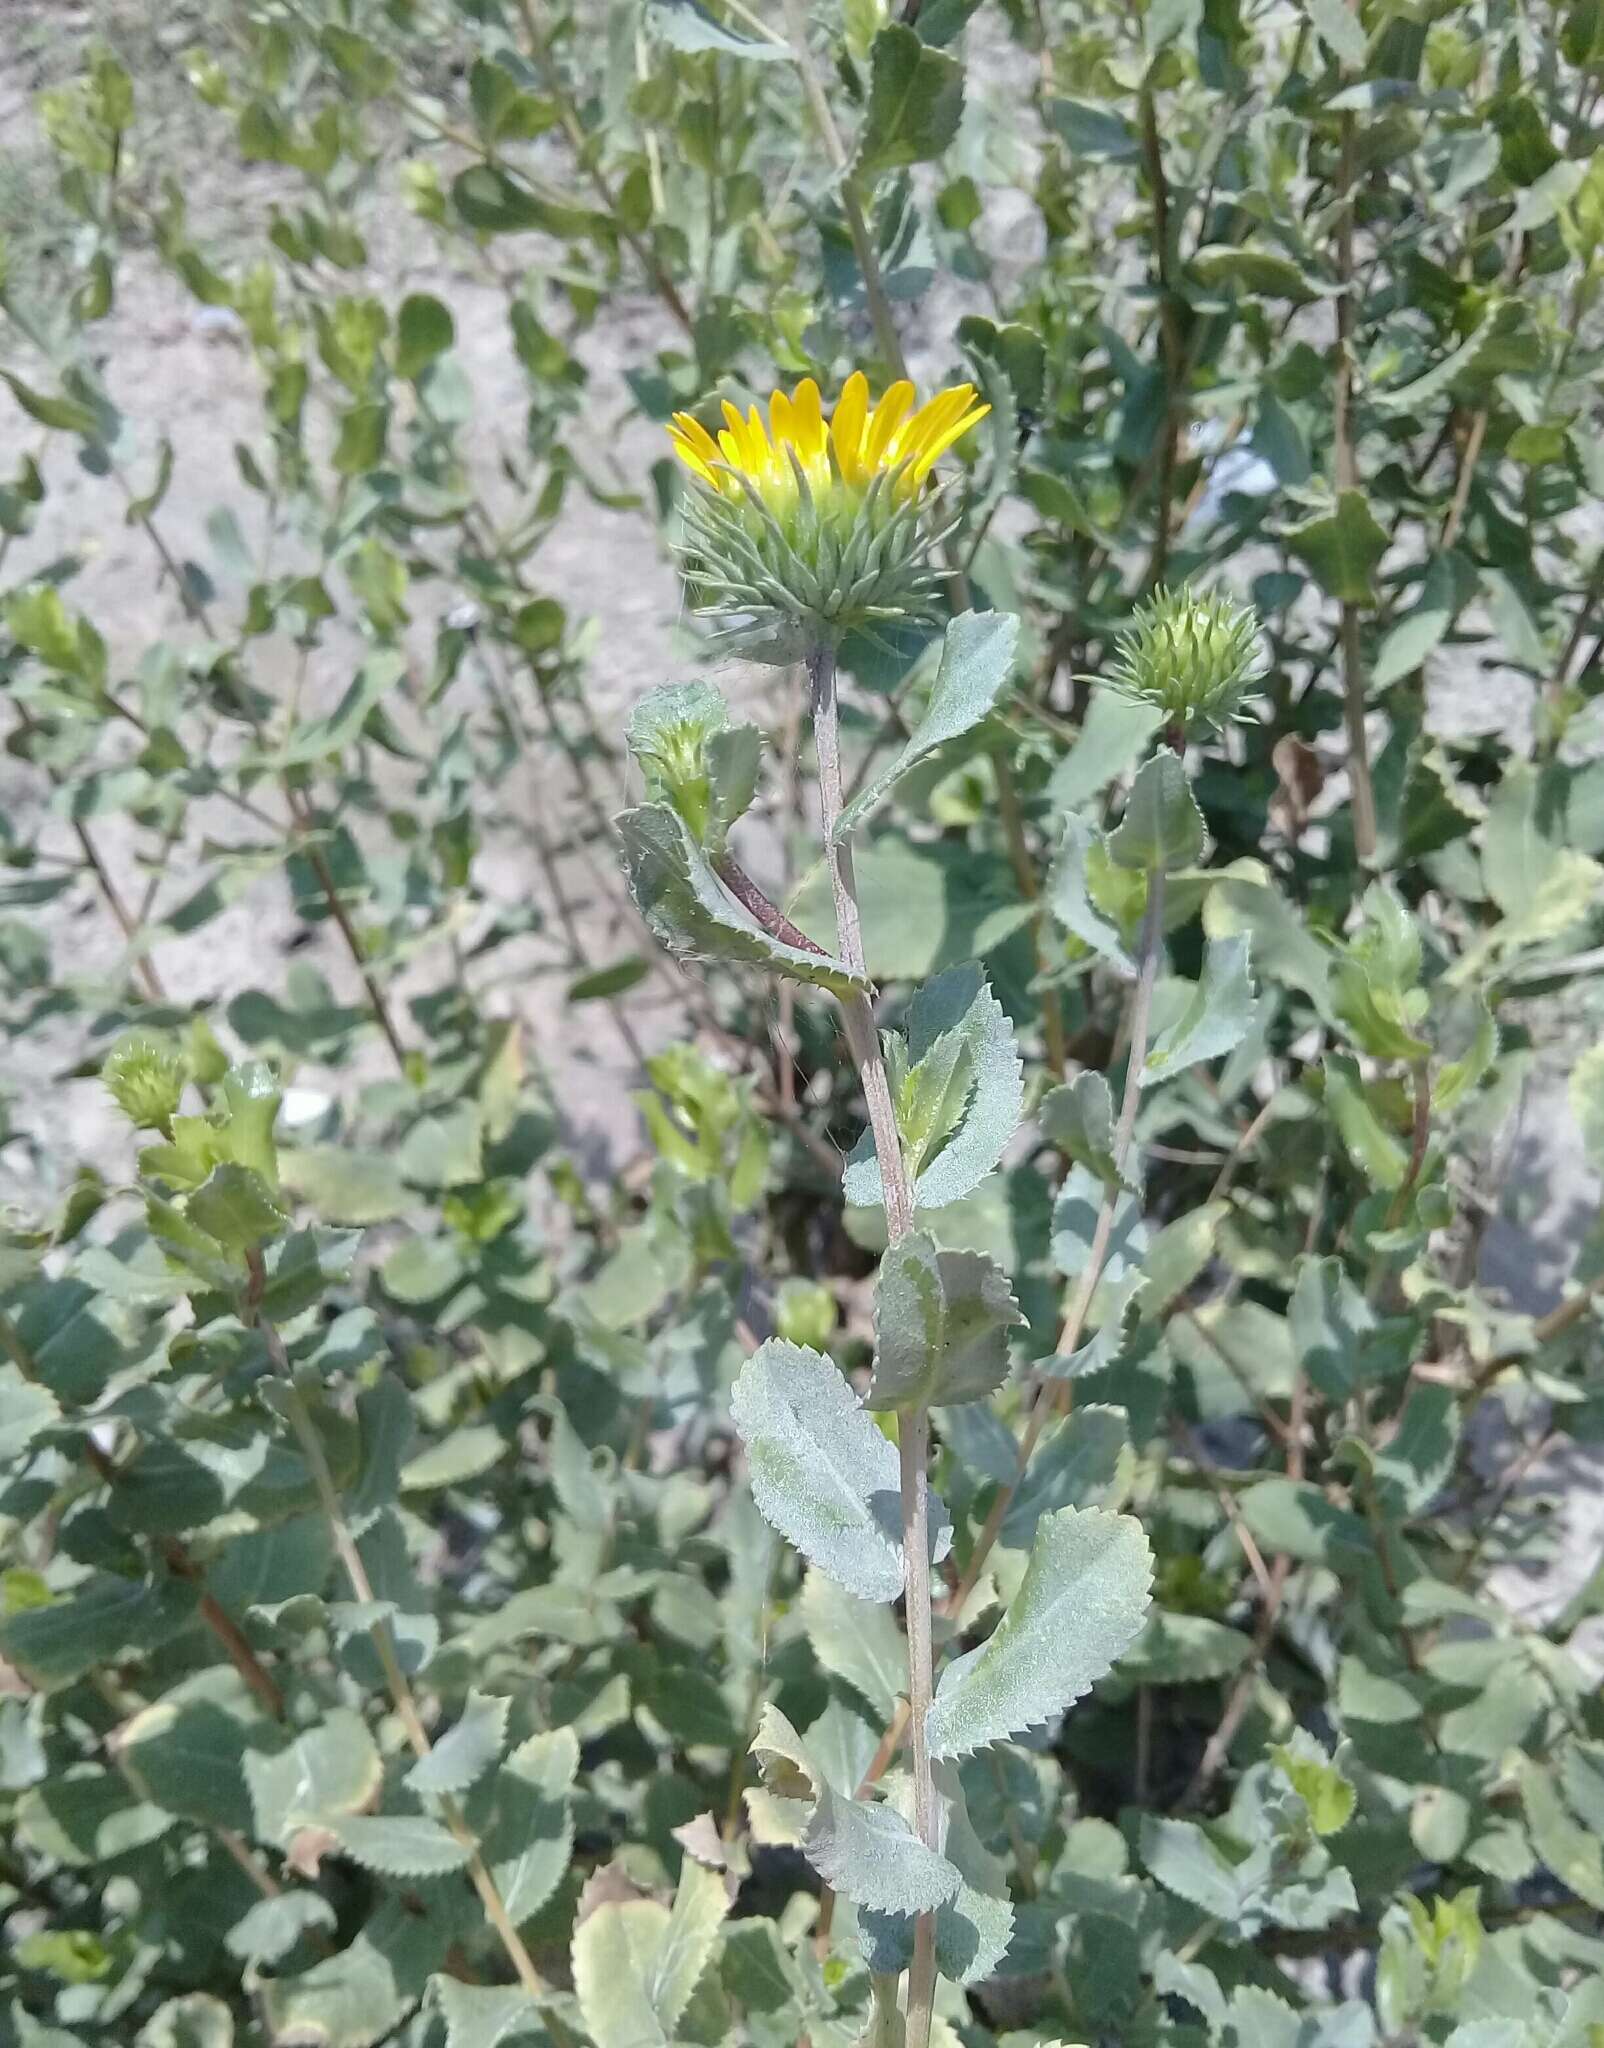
(913,1428)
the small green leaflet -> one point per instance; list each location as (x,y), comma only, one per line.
(685,25)
(484,2015)
(977,660)
(1344,547)
(1078,1117)
(941,1323)
(916,98)
(1216,1016)
(975,1926)
(636,1962)
(1162,826)
(857,1641)
(1081,1602)
(407,1845)
(956,1002)
(467,1750)
(1074,900)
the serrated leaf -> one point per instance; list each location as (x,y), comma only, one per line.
(1075,1211)
(1265,273)
(272,1927)
(1076,903)
(857,1641)
(915,101)
(1318,1782)
(689,910)
(1082,1601)
(355,1998)
(103,1618)
(1161,825)
(1216,1016)
(25,1409)
(957,1002)
(636,1962)
(235,1206)
(1342,548)
(467,1749)
(456,1458)
(1078,1117)
(941,1321)
(1082,1461)
(1115,730)
(326,1772)
(485,2015)
(1329,1320)
(528,1838)
(822,1474)
(1120,1301)
(868,1853)
(977,660)
(401,1845)
(1572,1853)
(975,1926)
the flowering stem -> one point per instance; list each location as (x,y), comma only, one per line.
(913,1428)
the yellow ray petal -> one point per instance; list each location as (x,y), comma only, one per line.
(887,417)
(807,421)
(735,443)
(935,448)
(694,460)
(687,428)
(932,419)
(782,421)
(846,429)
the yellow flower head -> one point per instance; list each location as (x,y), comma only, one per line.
(811,526)
(859,443)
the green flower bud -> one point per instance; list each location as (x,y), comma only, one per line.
(1190,657)
(694,760)
(145,1076)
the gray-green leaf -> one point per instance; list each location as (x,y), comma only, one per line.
(916,98)
(689,910)
(467,1750)
(869,1854)
(822,1473)
(977,659)
(941,1321)
(956,1002)
(1081,1602)
(1215,1016)
(402,1845)
(1162,826)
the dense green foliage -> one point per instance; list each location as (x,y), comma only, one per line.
(394,1644)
